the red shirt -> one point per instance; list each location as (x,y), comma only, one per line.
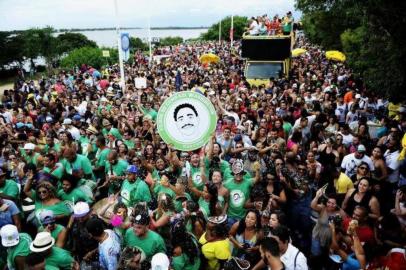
(365,233)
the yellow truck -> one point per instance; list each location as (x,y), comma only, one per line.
(266,57)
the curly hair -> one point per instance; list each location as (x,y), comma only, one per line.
(181,238)
(48,186)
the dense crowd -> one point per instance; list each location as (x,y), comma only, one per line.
(263,25)
(303,172)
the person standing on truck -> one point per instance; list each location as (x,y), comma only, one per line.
(287,23)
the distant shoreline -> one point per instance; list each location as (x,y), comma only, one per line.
(130,28)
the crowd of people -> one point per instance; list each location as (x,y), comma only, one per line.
(303,172)
(263,25)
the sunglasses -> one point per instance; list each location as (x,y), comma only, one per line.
(278,164)
(363,168)
(42,191)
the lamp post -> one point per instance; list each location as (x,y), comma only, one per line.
(120,52)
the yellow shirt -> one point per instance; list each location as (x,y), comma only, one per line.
(215,251)
(343,184)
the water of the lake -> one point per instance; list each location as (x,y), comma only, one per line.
(108,38)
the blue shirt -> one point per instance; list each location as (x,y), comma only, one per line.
(109,251)
(6,215)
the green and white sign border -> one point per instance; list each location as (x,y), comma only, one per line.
(189,97)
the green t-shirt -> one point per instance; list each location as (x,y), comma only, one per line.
(196,175)
(84,143)
(239,194)
(59,208)
(81,163)
(178,203)
(76,195)
(151,113)
(224,167)
(101,157)
(204,207)
(58,229)
(60,258)
(21,249)
(56,147)
(119,169)
(182,262)
(10,188)
(140,193)
(129,143)
(57,171)
(29,159)
(151,244)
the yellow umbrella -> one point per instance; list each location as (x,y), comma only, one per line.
(297,52)
(209,58)
(335,55)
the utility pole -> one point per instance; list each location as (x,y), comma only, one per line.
(120,51)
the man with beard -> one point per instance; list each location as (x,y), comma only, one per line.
(27,152)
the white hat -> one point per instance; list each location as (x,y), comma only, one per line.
(29,146)
(357,96)
(67,121)
(81,209)
(9,235)
(42,242)
(103,99)
(160,262)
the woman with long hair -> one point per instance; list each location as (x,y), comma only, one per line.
(321,235)
(195,221)
(186,253)
(44,197)
(362,196)
(161,217)
(245,236)
(223,193)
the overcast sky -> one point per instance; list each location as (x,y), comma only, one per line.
(24,14)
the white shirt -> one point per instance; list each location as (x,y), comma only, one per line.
(391,160)
(74,131)
(7,116)
(347,139)
(350,164)
(288,259)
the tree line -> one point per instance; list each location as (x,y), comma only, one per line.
(372,35)
(65,50)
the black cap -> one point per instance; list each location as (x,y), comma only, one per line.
(141,219)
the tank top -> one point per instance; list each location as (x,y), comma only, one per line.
(352,203)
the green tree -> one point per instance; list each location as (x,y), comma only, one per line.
(90,56)
(371,33)
(69,41)
(137,44)
(170,41)
(11,48)
(239,24)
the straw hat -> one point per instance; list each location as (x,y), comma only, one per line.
(43,241)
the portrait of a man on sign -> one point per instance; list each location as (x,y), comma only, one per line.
(187,119)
